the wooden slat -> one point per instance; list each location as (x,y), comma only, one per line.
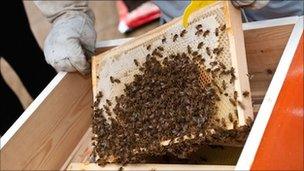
(213,156)
(264,48)
(239,62)
(51,133)
(149,167)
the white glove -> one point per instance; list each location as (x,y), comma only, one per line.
(72,38)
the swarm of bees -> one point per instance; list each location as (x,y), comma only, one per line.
(164,102)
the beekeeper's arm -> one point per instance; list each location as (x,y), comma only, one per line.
(255,10)
(72,38)
(252,10)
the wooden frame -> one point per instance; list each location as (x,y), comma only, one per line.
(47,133)
(236,53)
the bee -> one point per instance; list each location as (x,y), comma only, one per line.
(250,76)
(189,49)
(202,61)
(216,32)
(99,95)
(245,93)
(116,99)
(159,54)
(195,53)
(218,87)
(164,39)
(217,97)
(165,61)
(156,53)
(269,71)
(136,62)
(223,27)
(171,56)
(199,32)
(241,104)
(230,117)
(235,124)
(231,71)
(200,45)
(109,102)
(249,121)
(117,80)
(148,56)
(111,79)
(235,95)
(224,85)
(160,48)
(175,37)
(214,63)
(232,79)
(217,51)
(232,101)
(148,47)
(208,51)
(206,33)
(224,122)
(96,103)
(236,114)
(217,120)
(199,26)
(222,65)
(216,70)
(184,55)
(183,33)
(195,58)
(106,107)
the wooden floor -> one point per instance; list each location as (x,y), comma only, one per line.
(106,27)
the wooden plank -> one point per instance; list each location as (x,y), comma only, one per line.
(53,130)
(239,62)
(82,151)
(29,111)
(213,156)
(149,167)
(263,53)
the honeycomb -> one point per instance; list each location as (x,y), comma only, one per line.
(121,65)
(119,62)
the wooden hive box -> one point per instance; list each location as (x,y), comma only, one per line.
(53,133)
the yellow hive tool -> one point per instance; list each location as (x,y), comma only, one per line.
(193,6)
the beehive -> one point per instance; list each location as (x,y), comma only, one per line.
(219,31)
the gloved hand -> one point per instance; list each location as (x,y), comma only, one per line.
(253,4)
(71,41)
